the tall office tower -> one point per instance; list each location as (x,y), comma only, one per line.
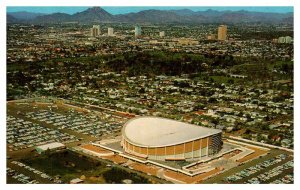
(284,40)
(222,32)
(288,39)
(137,31)
(95,30)
(162,34)
(98,28)
(110,31)
(281,40)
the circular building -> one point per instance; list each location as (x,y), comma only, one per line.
(166,139)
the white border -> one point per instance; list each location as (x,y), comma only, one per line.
(151,2)
(5,3)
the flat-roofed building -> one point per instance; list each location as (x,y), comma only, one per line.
(95,30)
(137,31)
(76,181)
(50,146)
(211,37)
(110,31)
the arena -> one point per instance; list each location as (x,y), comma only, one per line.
(165,139)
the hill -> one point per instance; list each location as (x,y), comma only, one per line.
(99,15)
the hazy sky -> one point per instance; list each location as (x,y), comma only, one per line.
(120,10)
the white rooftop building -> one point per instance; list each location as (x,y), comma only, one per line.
(161,138)
(51,146)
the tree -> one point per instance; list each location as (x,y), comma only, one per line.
(230,81)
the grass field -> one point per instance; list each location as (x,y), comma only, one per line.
(10,180)
(66,164)
(69,165)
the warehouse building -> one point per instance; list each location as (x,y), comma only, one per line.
(51,146)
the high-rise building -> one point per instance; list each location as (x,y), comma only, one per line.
(137,31)
(110,31)
(286,40)
(162,34)
(98,28)
(222,32)
(95,30)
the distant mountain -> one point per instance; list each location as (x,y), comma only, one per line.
(289,20)
(246,16)
(154,16)
(52,18)
(211,13)
(184,12)
(11,19)
(97,14)
(24,15)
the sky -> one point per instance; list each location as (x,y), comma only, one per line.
(123,10)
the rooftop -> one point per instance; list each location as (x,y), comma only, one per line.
(156,131)
(51,146)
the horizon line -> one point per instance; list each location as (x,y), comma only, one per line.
(135,9)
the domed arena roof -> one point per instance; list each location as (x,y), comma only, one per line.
(159,132)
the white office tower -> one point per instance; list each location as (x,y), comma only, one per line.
(162,34)
(137,31)
(222,32)
(110,31)
(285,40)
(95,30)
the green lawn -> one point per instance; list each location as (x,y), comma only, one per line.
(67,164)
(70,165)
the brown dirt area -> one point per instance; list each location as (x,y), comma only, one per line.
(95,148)
(144,168)
(116,159)
(187,179)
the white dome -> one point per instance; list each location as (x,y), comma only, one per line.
(159,132)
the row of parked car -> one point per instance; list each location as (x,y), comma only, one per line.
(22,134)
(20,177)
(89,124)
(271,173)
(289,178)
(41,174)
(255,169)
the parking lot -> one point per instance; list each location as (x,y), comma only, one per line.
(28,173)
(289,178)
(33,124)
(17,177)
(244,172)
(266,176)
(87,124)
(262,171)
(23,134)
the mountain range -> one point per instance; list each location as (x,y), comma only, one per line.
(99,15)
